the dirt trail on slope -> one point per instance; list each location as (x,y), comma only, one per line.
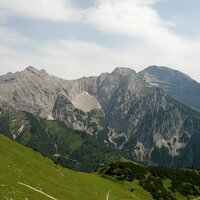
(36,190)
(108,194)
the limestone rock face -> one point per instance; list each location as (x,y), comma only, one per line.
(119,108)
(37,92)
(176,84)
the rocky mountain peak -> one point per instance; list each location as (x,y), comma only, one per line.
(175,83)
(33,70)
(7,76)
(124,71)
(165,73)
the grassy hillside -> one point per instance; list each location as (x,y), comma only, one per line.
(54,139)
(23,171)
(26,174)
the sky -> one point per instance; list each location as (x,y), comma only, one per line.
(75,38)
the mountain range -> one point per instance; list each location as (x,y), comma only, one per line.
(142,115)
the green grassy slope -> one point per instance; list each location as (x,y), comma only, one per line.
(23,165)
(26,174)
(54,139)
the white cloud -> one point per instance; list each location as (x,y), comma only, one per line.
(68,59)
(136,19)
(158,44)
(65,58)
(72,59)
(57,10)
(128,17)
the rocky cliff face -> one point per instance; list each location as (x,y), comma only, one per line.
(119,108)
(176,84)
(39,93)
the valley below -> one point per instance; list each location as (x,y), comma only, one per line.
(26,174)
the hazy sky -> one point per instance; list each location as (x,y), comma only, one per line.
(74,38)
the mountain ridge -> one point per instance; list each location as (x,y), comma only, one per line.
(133,115)
(175,83)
